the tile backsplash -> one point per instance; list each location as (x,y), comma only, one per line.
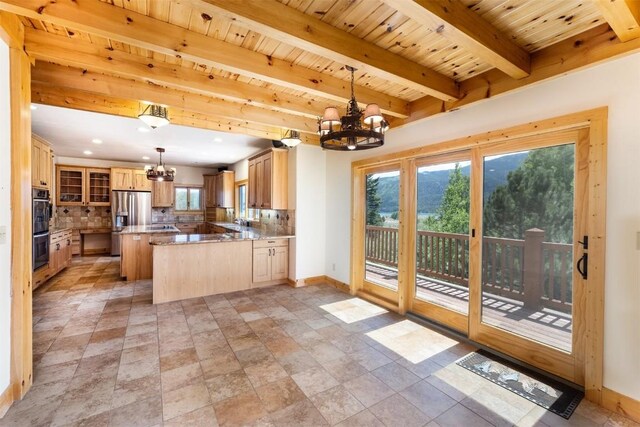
(159,215)
(282,221)
(83,216)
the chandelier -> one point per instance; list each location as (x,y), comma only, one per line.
(160,172)
(352,132)
(155,116)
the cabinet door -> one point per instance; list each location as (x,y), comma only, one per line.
(226,190)
(219,190)
(66,253)
(262,264)
(121,179)
(267,165)
(210,191)
(71,186)
(140,181)
(162,194)
(45,165)
(36,147)
(98,191)
(253,185)
(259,183)
(55,256)
(279,263)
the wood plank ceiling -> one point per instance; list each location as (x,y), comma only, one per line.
(260,67)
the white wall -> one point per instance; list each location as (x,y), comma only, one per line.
(615,84)
(241,170)
(310,201)
(5,220)
(184,175)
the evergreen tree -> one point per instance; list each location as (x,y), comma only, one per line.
(373,202)
(452,216)
(538,194)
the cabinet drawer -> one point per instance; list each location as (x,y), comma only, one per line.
(271,243)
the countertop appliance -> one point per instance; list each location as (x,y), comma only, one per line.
(128,208)
(40,226)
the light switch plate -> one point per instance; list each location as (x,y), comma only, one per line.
(136,237)
(3,235)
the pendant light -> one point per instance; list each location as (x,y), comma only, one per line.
(155,116)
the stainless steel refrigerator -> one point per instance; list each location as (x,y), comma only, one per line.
(128,208)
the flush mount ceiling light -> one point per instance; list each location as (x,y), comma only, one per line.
(352,132)
(155,116)
(291,138)
(160,172)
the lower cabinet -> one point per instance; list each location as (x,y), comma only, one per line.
(270,260)
(59,257)
(187,228)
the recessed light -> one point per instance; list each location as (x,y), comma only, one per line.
(143,129)
(145,157)
(217,139)
(96,141)
(34,107)
(87,152)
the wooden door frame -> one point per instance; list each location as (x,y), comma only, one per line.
(593,124)
(12,33)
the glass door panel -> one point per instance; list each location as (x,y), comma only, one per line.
(381,234)
(99,187)
(527,244)
(442,235)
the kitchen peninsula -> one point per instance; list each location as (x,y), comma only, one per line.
(136,254)
(195,265)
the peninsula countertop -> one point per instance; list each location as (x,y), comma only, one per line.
(248,234)
(149,229)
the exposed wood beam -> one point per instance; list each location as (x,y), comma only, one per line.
(583,50)
(123,88)
(454,21)
(288,25)
(103,19)
(80,100)
(78,53)
(623,16)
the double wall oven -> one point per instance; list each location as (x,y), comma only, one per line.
(41,215)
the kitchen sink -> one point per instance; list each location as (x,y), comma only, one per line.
(160,227)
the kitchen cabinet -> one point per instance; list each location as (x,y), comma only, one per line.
(187,227)
(59,257)
(79,186)
(40,163)
(129,179)
(268,174)
(270,261)
(219,190)
(162,194)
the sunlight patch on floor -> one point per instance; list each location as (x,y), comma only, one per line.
(412,341)
(353,310)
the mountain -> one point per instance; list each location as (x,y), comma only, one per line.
(432,185)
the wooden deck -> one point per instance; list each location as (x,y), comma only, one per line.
(546,325)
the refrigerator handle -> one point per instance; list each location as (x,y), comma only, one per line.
(132,209)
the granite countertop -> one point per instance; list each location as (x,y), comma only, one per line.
(58,229)
(97,230)
(248,234)
(156,228)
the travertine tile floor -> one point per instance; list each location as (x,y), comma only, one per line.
(104,355)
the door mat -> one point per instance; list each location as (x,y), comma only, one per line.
(552,395)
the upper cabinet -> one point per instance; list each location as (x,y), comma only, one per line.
(78,186)
(219,190)
(162,194)
(129,179)
(268,173)
(40,163)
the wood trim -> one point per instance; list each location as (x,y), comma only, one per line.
(389,305)
(21,228)
(575,53)
(120,24)
(11,30)
(295,28)
(6,399)
(442,315)
(621,404)
(89,81)
(623,16)
(457,23)
(341,286)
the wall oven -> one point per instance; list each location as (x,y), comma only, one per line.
(41,214)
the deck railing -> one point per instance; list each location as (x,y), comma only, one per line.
(545,280)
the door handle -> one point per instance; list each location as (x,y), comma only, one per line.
(582,265)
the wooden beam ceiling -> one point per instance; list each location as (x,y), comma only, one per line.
(292,27)
(623,16)
(454,21)
(103,19)
(102,84)
(47,94)
(78,53)
(589,48)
